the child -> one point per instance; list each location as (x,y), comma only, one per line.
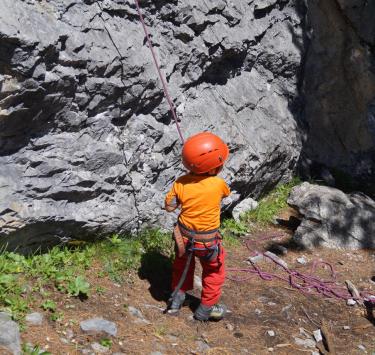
(199,196)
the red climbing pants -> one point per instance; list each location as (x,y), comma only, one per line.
(213,275)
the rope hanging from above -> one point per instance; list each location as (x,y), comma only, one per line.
(157,65)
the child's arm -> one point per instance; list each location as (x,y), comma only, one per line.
(226,190)
(172,205)
(171,201)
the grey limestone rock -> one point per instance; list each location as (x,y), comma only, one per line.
(9,334)
(99,325)
(99,349)
(34,318)
(87,144)
(333,219)
(245,205)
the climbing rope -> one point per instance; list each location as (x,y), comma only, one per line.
(305,283)
(165,87)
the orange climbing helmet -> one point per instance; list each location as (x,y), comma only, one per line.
(203,152)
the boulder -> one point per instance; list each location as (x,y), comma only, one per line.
(245,205)
(333,219)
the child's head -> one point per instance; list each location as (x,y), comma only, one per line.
(204,153)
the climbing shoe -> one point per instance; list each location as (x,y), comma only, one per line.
(176,302)
(215,312)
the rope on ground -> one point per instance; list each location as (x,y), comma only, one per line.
(157,65)
(307,284)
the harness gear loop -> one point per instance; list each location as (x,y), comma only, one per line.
(157,65)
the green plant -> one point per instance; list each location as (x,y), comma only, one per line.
(49,305)
(155,240)
(106,342)
(28,349)
(79,287)
(100,290)
(272,204)
(57,316)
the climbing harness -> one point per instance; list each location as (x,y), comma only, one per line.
(157,65)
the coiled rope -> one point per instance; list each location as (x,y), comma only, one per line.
(307,284)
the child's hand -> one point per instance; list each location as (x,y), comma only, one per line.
(172,205)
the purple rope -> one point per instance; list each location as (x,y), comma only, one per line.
(307,284)
(165,87)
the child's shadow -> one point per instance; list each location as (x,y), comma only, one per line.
(156,268)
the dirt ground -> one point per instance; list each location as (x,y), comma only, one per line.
(266,316)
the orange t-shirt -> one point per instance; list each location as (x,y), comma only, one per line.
(199,197)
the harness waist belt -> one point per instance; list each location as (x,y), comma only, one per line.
(180,232)
(198,236)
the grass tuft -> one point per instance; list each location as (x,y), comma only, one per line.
(271,205)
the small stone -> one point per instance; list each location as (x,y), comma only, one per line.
(351,302)
(258,311)
(98,348)
(346,327)
(34,318)
(256,259)
(317,335)
(230,327)
(135,312)
(271,333)
(270,349)
(245,205)
(99,325)
(271,303)
(301,260)
(306,343)
(276,259)
(202,346)
(361,347)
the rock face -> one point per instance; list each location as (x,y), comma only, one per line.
(340,86)
(87,146)
(332,218)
